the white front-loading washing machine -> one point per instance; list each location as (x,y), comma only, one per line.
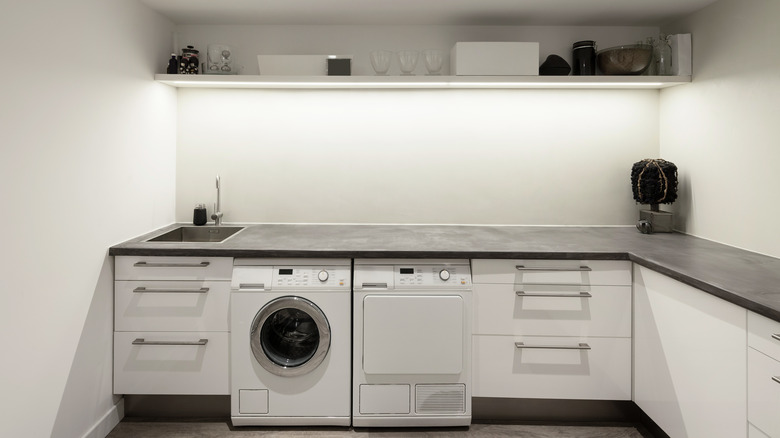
(412,343)
(290,342)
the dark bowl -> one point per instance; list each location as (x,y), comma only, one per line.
(632,59)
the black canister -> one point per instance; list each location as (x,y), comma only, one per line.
(199,215)
(584,54)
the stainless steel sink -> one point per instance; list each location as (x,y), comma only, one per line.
(196,234)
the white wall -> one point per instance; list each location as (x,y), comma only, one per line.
(722,130)
(411,156)
(436,156)
(88,160)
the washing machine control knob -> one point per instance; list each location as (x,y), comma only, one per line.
(323,275)
(444,274)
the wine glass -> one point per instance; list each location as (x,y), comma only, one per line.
(408,61)
(434,59)
(380,61)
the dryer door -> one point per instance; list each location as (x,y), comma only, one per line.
(290,336)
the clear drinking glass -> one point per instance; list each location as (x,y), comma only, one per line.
(380,61)
(434,58)
(408,61)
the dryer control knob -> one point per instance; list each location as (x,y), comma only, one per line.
(323,275)
(444,274)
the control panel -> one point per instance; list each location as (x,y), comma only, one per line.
(415,275)
(310,277)
(432,276)
(259,278)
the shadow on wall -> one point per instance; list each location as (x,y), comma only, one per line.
(91,371)
(683,208)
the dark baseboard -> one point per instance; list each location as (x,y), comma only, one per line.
(483,410)
(177,406)
(554,411)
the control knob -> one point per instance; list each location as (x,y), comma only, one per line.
(323,275)
(444,274)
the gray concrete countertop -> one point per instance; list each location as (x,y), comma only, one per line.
(744,278)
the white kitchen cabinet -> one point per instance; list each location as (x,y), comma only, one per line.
(689,358)
(587,368)
(553,310)
(554,329)
(573,272)
(171,305)
(171,326)
(764,375)
(186,363)
(172,268)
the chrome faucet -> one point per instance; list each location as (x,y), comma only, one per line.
(217,215)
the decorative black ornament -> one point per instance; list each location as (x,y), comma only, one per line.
(554,65)
(654,181)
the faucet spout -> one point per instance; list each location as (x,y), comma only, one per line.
(217,215)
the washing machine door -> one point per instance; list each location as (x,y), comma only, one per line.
(290,336)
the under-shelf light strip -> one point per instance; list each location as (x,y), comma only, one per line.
(443,84)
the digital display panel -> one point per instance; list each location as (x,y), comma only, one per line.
(285,272)
(407,270)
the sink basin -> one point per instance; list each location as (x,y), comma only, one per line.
(196,234)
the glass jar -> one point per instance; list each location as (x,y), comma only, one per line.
(652,69)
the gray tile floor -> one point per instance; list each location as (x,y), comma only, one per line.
(219,429)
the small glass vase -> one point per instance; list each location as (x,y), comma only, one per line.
(663,56)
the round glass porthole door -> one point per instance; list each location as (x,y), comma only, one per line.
(290,336)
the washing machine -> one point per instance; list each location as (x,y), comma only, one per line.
(290,342)
(412,343)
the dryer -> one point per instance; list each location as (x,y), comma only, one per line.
(412,343)
(290,342)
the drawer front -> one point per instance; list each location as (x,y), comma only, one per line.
(173,268)
(764,335)
(592,272)
(764,392)
(558,310)
(171,369)
(171,305)
(503,370)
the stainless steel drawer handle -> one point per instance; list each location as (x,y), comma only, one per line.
(251,286)
(140,290)
(776,337)
(171,265)
(580,346)
(776,378)
(375,285)
(142,341)
(583,294)
(581,269)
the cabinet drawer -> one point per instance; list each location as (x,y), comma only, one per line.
(764,392)
(591,272)
(764,335)
(552,310)
(171,305)
(173,268)
(503,370)
(171,369)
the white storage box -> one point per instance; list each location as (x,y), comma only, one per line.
(296,65)
(494,59)
(681,54)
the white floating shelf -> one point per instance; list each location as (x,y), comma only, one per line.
(422,82)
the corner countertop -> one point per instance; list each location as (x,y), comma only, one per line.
(741,277)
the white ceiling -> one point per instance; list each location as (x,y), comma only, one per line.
(441,12)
